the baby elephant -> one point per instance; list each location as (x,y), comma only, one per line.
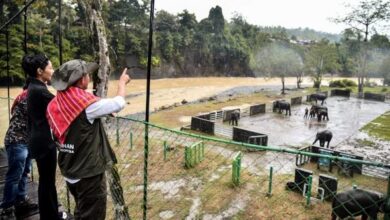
(323,136)
(357,202)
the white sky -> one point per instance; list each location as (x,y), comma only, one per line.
(313,14)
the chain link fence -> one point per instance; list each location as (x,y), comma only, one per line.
(268,182)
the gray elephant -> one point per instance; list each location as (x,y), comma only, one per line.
(322,114)
(323,136)
(235,115)
(320,111)
(282,105)
(318,96)
(357,202)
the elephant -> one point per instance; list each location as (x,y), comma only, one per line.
(320,111)
(318,96)
(357,202)
(323,136)
(322,114)
(282,105)
(235,115)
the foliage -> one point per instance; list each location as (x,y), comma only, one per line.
(342,83)
(319,59)
(184,46)
(384,70)
(367,13)
(277,61)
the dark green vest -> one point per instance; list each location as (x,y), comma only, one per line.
(86,151)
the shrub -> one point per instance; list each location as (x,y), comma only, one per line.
(384,89)
(336,83)
(342,83)
(349,83)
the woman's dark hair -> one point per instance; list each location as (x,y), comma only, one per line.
(31,63)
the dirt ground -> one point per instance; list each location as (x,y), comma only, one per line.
(168,91)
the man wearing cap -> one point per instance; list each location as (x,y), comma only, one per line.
(84,150)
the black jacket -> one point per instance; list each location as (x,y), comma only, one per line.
(40,136)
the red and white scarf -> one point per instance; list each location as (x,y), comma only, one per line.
(64,109)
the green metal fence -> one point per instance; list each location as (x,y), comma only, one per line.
(210,189)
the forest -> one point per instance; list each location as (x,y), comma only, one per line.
(186,47)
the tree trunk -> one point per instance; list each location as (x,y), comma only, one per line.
(93,9)
(283,86)
(299,80)
(366,33)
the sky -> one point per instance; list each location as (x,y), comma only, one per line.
(314,14)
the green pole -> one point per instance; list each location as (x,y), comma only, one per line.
(186,157)
(131,141)
(238,168)
(190,156)
(198,152)
(387,204)
(270,181)
(165,150)
(202,150)
(308,194)
(117,131)
(234,172)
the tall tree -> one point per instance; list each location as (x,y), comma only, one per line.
(366,14)
(384,70)
(319,59)
(276,60)
(362,18)
(94,19)
(95,22)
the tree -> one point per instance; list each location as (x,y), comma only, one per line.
(362,18)
(95,22)
(380,41)
(276,60)
(384,70)
(366,14)
(319,59)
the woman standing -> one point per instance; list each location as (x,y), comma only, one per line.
(42,147)
(15,197)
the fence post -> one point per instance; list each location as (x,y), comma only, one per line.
(131,141)
(165,150)
(117,131)
(270,181)
(202,150)
(199,158)
(308,194)
(187,157)
(387,204)
(236,166)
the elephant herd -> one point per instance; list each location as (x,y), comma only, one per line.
(316,111)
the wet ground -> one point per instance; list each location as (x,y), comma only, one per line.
(347,116)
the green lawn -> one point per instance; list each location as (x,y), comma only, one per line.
(379,127)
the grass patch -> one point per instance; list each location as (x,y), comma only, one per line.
(365,142)
(379,127)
